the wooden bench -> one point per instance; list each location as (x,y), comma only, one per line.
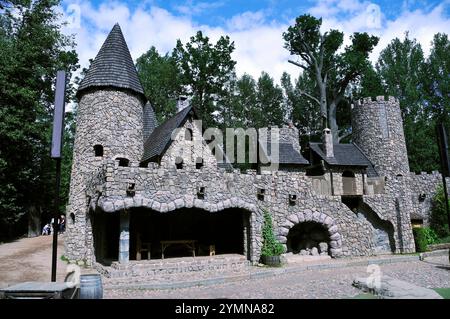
(187,242)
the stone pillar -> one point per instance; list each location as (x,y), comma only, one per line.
(124,238)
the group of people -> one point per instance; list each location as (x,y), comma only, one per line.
(48,228)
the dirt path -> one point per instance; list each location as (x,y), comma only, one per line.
(29,259)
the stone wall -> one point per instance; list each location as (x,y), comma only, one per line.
(163,190)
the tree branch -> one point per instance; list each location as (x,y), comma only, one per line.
(310,96)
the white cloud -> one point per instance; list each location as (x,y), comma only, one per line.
(191,8)
(259,43)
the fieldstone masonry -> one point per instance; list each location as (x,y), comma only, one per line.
(112,117)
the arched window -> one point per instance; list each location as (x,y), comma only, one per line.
(98,150)
(123,161)
(188,134)
(199,163)
(179,163)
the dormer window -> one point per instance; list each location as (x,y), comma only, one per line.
(179,163)
(188,134)
(199,163)
(98,150)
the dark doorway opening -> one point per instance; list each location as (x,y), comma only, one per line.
(304,237)
(224,232)
(105,227)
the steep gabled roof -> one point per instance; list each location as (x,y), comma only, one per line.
(150,120)
(113,66)
(287,155)
(345,155)
(160,139)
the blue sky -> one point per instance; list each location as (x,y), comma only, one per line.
(256,26)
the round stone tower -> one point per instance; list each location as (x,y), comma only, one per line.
(378,131)
(109,126)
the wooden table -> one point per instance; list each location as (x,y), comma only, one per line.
(38,290)
(187,242)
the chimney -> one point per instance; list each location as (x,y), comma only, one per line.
(182,103)
(327,143)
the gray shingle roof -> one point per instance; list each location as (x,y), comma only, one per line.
(150,121)
(287,154)
(345,155)
(113,66)
(160,139)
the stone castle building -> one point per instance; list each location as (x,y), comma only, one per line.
(137,186)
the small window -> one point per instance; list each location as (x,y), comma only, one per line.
(72,218)
(199,163)
(201,192)
(260,194)
(422,197)
(292,199)
(98,150)
(123,161)
(179,163)
(188,135)
(130,189)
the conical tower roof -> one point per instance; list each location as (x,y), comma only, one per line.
(113,66)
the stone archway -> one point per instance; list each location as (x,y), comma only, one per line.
(191,202)
(325,221)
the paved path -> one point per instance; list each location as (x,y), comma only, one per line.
(314,283)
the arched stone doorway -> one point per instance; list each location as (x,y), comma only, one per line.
(308,228)
(308,238)
(188,232)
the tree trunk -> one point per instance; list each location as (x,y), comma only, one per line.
(34,222)
(333,122)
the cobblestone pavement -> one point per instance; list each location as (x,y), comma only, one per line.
(310,284)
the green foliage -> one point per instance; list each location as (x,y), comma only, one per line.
(33,49)
(161,82)
(332,70)
(206,71)
(271,246)
(423,237)
(438,218)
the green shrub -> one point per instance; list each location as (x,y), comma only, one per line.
(271,246)
(423,237)
(438,218)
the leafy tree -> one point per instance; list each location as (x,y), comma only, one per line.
(33,49)
(369,85)
(304,113)
(160,78)
(437,80)
(332,71)
(439,218)
(403,71)
(268,110)
(206,71)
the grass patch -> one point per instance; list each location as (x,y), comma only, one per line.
(444,292)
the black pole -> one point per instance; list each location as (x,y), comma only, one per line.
(56,153)
(55,219)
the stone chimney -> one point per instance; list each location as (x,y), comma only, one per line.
(327,143)
(182,103)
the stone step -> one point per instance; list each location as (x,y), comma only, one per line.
(169,266)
